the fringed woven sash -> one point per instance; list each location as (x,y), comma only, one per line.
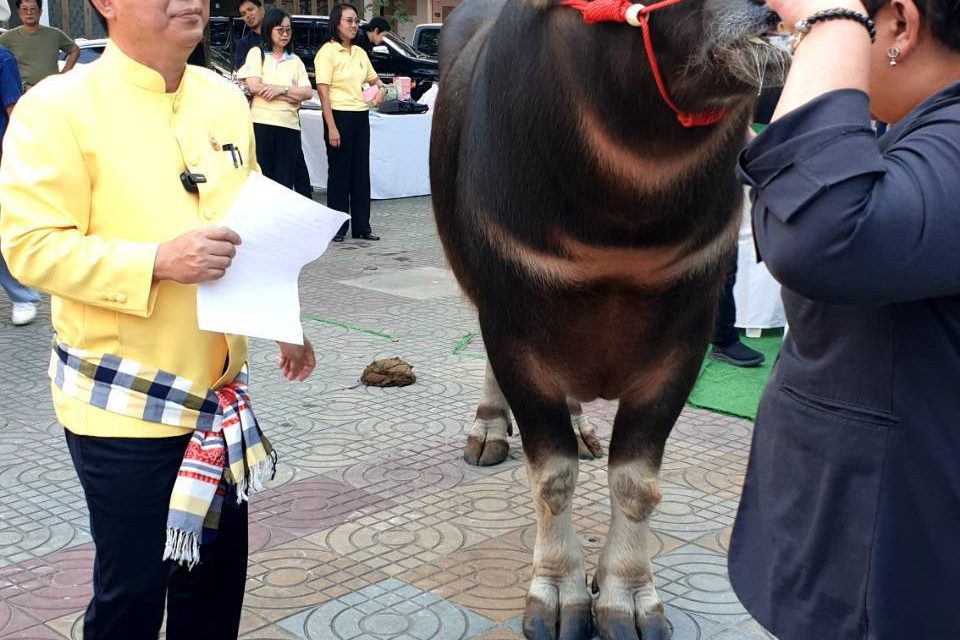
(227,445)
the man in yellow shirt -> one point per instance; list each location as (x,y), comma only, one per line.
(114,179)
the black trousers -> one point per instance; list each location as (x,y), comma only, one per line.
(724,331)
(280,157)
(127,484)
(348,177)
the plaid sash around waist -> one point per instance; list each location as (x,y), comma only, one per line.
(227,445)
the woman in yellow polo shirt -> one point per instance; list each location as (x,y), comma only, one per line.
(278,81)
(342,69)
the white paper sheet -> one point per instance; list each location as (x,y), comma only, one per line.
(281,231)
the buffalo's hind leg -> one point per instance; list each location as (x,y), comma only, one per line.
(558,605)
(627,606)
(588,445)
(487,441)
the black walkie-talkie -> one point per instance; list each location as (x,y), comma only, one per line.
(191,180)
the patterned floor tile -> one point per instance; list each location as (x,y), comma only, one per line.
(13,619)
(68,626)
(486,507)
(718,541)
(753,630)
(50,587)
(296,576)
(395,540)
(388,609)
(696,581)
(404,474)
(423,283)
(490,578)
(271,632)
(689,514)
(39,632)
(304,507)
(501,633)
(42,509)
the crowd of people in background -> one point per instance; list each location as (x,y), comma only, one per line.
(347,87)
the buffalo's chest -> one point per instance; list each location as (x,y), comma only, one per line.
(608,340)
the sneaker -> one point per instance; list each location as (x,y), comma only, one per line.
(23,313)
(737,354)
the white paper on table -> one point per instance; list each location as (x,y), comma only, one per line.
(280,232)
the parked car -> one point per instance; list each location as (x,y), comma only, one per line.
(392,58)
(426,38)
(90,50)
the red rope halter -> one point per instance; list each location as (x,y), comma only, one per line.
(638,15)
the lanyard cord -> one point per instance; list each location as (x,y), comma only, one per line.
(638,15)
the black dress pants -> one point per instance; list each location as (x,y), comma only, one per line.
(724,331)
(348,177)
(280,156)
(127,484)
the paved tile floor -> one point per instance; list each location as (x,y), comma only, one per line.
(375,528)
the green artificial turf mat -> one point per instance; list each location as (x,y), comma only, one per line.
(736,390)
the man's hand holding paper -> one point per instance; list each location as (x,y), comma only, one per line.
(281,232)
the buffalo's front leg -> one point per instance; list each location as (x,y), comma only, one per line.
(558,601)
(627,606)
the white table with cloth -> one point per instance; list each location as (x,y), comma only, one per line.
(399,153)
(756,292)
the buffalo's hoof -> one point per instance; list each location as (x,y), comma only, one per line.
(589,447)
(552,616)
(485,453)
(616,624)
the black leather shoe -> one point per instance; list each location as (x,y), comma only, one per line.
(737,354)
(338,238)
(367,236)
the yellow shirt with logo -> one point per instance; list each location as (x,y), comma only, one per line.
(345,71)
(90,186)
(287,72)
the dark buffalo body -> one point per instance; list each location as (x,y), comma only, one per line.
(592,232)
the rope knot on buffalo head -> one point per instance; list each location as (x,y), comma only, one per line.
(638,15)
(608,11)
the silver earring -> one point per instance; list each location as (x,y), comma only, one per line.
(894,54)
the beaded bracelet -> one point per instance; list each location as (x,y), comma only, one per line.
(802,27)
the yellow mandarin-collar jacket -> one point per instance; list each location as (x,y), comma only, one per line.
(89,188)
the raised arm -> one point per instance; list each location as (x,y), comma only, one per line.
(837,220)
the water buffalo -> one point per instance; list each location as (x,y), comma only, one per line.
(584,188)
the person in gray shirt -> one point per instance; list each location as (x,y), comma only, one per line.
(37,47)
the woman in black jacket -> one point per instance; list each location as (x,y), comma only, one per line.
(850,516)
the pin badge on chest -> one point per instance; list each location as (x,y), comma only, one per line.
(214,144)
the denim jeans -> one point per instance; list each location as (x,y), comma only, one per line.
(16,291)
